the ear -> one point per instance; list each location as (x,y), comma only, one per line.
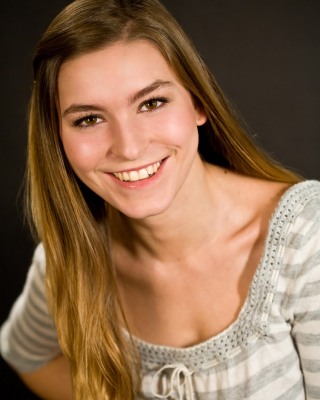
(201,117)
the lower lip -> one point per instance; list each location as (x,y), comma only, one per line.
(143,183)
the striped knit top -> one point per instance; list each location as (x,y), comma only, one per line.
(271,351)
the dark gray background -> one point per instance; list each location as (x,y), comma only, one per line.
(264,54)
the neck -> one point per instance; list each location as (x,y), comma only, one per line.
(184,228)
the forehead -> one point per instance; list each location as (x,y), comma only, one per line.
(121,66)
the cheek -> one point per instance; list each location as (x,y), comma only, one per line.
(181,127)
(81,153)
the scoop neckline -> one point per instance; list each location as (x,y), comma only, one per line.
(252,320)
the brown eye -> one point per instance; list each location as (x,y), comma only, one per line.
(87,121)
(151,105)
(90,120)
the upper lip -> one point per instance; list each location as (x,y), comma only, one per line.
(137,168)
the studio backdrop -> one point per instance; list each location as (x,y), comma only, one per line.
(265,54)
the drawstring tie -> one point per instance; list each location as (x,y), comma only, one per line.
(180,377)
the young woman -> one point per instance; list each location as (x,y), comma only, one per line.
(174,259)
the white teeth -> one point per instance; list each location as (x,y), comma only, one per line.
(143,173)
(156,166)
(150,170)
(134,176)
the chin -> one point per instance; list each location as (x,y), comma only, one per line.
(143,212)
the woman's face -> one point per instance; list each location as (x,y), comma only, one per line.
(128,127)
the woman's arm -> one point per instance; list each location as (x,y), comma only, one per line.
(50,382)
(306,332)
(28,340)
(305,299)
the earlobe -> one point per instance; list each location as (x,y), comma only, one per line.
(201,117)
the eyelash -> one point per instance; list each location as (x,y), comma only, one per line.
(163,100)
(78,121)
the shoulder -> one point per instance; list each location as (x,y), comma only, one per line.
(36,275)
(300,208)
(304,194)
(38,262)
(301,266)
(297,224)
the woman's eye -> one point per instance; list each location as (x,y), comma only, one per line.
(87,121)
(153,104)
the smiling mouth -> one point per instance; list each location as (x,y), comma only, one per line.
(138,175)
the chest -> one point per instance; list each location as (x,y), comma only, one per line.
(193,302)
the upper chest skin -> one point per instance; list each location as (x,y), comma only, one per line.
(188,300)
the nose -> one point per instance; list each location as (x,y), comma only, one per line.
(129,141)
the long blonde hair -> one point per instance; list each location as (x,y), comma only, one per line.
(71,220)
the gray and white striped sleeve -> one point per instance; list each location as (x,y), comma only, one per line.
(28,338)
(305,299)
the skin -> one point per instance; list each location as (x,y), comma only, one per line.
(125,135)
(186,241)
(166,230)
(51,382)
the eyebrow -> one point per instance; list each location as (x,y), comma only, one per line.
(74,108)
(149,89)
